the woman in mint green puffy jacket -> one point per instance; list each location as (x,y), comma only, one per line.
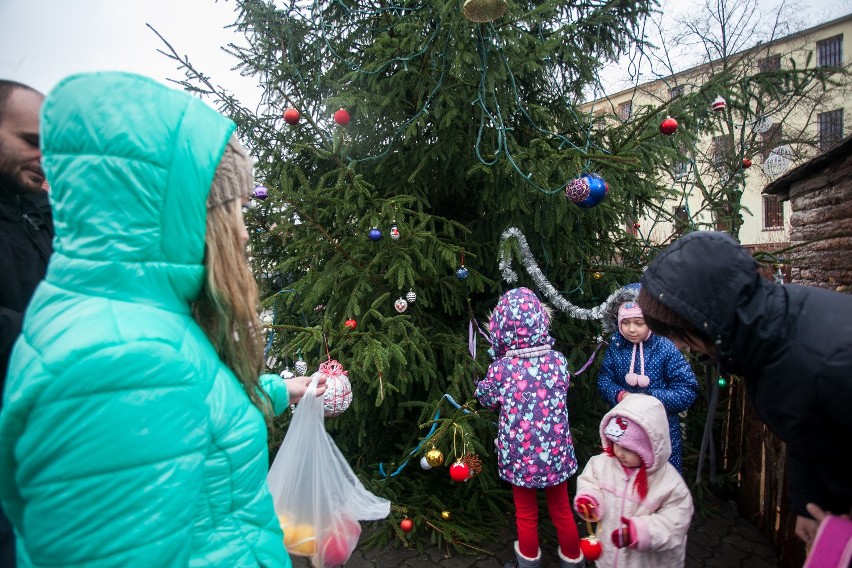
(132,431)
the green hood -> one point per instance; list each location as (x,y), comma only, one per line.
(130,163)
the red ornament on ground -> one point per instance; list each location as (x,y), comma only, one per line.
(591,547)
(341,117)
(668,126)
(406,525)
(291,116)
(460,471)
(351,323)
(746,163)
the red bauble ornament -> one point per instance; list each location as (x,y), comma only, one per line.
(350,323)
(291,116)
(460,471)
(668,126)
(591,547)
(341,117)
(746,163)
(406,525)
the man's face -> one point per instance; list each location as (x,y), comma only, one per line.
(20,156)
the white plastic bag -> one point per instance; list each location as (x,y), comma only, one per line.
(318,499)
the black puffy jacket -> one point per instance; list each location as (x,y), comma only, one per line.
(792,345)
(26,235)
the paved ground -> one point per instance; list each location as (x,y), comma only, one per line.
(721,539)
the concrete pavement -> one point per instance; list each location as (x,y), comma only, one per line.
(721,539)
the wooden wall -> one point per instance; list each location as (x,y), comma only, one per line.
(822,223)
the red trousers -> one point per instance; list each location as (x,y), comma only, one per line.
(559,507)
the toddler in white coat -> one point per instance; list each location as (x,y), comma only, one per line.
(640,501)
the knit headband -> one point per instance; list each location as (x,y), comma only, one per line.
(234,177)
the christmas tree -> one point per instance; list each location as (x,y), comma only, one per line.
(404,149)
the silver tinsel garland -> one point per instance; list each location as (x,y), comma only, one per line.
(541,282)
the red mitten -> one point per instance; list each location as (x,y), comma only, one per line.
(624,536)
(587,508)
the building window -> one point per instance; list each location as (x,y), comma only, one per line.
(676,92)
(625,110)
(771,63)
(830,128)
(830,52)
(773,212)
(771,139)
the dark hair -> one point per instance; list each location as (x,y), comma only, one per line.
(6,89)
(664,321)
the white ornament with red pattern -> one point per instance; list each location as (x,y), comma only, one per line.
(338,389)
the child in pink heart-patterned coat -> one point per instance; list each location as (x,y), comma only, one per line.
(528,384)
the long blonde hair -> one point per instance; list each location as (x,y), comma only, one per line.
(227,308)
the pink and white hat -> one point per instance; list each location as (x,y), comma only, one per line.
(629,310)
(631,436)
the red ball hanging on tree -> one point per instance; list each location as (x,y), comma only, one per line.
(341,117)
(350,323)
(459,471)
(291,116)
(746,163)
(668,126)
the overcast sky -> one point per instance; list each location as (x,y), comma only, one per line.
(42,41)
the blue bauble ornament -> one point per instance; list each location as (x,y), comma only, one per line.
(374,234)
(598,188)
(461,273)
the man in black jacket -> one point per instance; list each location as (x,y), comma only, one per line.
(792,345)
(26,230)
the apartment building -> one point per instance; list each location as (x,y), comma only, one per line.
(807,130)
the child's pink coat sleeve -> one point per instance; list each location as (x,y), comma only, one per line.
(666,528)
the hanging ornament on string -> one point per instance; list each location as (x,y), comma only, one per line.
(459,471)
(406,525)
(291,116)
(301,366)
(338,389)
(719,104)
(400,305)
(591,547)
(461,271)
(587,190)
(446,515)
(482,11)
(746,163)
(350,324)
(668,126)
(411,296)
(434,457)
(341,117)
(260,192)
(287,373)
(375,234)
(424,463)
(394,231)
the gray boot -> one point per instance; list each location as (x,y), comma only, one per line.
(565,562)
(523,561)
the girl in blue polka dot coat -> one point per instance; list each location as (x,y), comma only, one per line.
(638,361)
(528,384)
